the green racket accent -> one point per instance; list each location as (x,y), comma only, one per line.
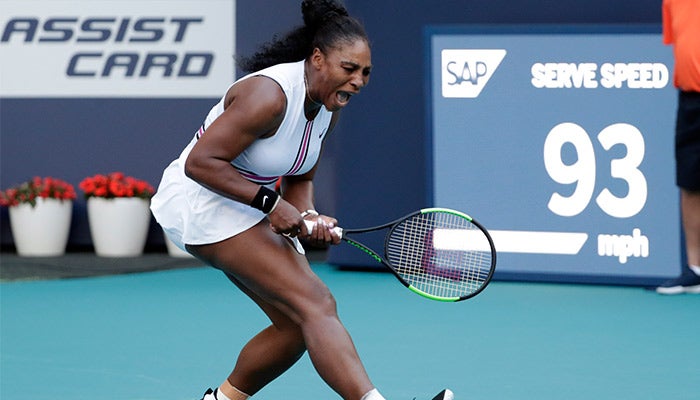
(446,211)
(432,297)
(365,249)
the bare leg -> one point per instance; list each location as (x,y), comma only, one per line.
(273,350)
(302,310)
(690,210)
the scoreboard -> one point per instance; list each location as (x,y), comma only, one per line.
(560,141)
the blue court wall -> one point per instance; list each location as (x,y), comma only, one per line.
(375,165)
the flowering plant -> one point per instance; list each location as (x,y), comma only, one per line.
(28,192)
(115,185)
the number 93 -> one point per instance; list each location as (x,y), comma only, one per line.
(583,171)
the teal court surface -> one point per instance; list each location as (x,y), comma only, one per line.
(168,335)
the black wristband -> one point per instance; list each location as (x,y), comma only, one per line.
(265,200)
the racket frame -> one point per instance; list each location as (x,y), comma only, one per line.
(393,224)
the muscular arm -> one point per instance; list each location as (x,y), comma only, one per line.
(254,108)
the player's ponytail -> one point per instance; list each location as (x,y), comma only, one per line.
(326,24)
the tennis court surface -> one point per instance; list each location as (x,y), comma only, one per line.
(171,334)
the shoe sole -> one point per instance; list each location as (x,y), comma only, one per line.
(678,290)
(692,289)
(670,290)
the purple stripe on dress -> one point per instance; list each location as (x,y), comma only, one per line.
(303,149)
(265,180)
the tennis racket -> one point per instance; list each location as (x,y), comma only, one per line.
(438,253)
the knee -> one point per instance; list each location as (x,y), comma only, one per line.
(319,306)
(328,306)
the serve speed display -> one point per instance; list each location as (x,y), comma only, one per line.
(560,141)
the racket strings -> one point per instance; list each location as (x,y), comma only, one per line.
(453,270)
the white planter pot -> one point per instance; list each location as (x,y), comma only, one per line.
(41,231)
(118,227)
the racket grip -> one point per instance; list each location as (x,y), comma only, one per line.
(310,225)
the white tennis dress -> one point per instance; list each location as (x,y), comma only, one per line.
(189,213)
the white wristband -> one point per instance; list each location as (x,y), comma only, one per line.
(277,201)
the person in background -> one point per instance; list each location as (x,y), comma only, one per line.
(218,200)
(681,28)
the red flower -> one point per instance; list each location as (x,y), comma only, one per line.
(100,192)
(116,184)
(29,191)
(87,186)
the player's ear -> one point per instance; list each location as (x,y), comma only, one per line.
(317,58)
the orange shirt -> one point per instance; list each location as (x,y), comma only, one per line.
(681,28)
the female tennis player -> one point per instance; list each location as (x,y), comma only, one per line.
(217,199)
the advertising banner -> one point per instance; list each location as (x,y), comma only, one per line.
(116,48)
(560,141)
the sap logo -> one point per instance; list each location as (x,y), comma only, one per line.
(466,72)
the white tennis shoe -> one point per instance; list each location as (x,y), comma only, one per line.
(209,395)
(445,395)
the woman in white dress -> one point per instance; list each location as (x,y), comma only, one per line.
(217,200)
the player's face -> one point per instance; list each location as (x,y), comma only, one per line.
(344,70)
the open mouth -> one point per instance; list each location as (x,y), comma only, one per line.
(343,97)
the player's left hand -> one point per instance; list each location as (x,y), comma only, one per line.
(322,233)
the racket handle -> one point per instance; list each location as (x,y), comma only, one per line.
(310,225)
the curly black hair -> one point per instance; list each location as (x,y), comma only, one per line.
(326,25)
